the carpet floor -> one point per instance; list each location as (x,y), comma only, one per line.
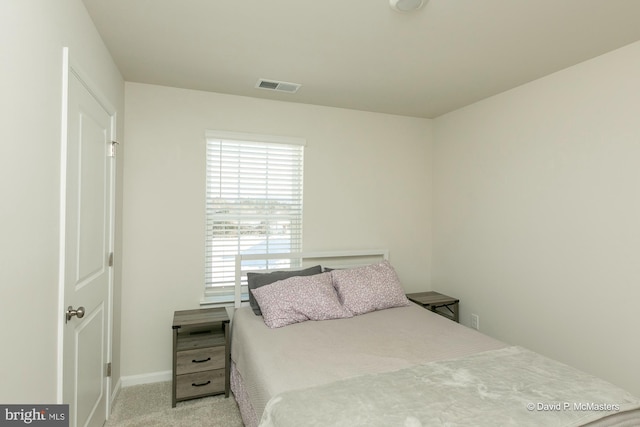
(150,405)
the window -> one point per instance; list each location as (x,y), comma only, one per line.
(253,204)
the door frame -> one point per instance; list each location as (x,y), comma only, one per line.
(69,66)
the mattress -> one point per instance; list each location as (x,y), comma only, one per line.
(270,363)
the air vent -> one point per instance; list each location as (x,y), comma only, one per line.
(278,86)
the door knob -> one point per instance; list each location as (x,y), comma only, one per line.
(71,312)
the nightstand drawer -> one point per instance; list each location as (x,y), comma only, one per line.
(201,383)
(203,359)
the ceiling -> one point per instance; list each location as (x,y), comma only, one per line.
(360,54)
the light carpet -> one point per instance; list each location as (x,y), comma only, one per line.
(150,405)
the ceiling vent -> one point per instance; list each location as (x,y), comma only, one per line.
(278,86)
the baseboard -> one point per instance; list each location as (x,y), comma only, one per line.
(116,390)
(114,395)
(153,377)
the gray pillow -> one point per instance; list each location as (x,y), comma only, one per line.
(256,280)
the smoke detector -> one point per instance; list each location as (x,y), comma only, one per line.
(278,86)
(406,5)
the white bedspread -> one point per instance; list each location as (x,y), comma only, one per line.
(506,387)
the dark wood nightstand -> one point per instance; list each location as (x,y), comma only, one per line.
(201,354)
(438,303)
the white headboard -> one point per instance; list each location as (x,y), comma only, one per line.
(333,259)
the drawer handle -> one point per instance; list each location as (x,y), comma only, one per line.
(201,361)
(200,385)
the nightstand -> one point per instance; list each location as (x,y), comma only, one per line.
(438,303)
(201,354)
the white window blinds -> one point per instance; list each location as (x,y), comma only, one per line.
(253,203)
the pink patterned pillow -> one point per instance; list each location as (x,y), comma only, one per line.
(369,288)
(298,299)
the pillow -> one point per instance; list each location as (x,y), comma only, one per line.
(256,280)
(369,288)
(298,299)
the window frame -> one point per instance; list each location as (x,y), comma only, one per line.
(224,294)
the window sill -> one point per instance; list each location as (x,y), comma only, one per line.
(210,301)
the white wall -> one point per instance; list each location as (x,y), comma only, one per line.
(32,35)
(367,185)
(537,214)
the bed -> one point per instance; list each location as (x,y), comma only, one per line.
(400,365)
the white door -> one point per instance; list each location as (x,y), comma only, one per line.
(86,244)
